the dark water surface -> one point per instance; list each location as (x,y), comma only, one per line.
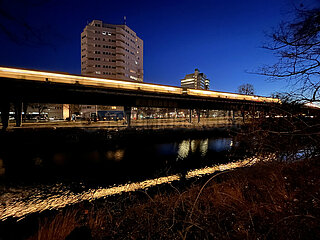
(52,172)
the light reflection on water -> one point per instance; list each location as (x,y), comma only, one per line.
(19,203)
(101,162)
(116,155)
(184,149)
(204,147)
(191,146)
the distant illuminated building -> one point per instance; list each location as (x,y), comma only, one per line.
(196,80)
(47,111)
(58,111)
(312,105)
(111,51)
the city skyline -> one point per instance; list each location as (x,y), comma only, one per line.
(176,36)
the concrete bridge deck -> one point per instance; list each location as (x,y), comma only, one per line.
(24,85)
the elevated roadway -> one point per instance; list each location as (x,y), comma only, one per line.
(25,85)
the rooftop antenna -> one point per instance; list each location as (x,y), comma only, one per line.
(125,20)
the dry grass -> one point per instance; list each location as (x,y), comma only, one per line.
(266,201)
(57,228)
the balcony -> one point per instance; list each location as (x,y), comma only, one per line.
(120,31)
(120,44)
(120,70)
(120,51)
(120,65)
(120,37)
(120,58)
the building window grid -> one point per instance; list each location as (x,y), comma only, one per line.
(134,47)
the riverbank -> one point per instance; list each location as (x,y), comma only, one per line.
(164,123)
(266,201)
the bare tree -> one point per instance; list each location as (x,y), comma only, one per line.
(39,106)
(296,43)
(247,89)
(75,108)
(291,131)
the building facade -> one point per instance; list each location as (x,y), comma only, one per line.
(196,80)
(111,51)
(49,111)
(58,111)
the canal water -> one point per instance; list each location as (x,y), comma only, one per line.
(50,175)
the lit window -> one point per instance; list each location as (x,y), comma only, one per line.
(134,78)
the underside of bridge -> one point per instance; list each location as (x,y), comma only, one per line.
(18,91)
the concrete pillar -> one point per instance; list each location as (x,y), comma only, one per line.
(127,112)
(25,110)
(198,115)
(253,113)
(5,108)
(233,117)
(243,115)
(18,113)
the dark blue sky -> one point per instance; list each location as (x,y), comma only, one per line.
(222,38)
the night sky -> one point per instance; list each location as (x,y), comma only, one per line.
(222,38)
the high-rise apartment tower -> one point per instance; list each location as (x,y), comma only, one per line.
(196,80)
(111,51)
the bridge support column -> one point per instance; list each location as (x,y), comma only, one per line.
(190,115)
(198,115)
(5,108)
(25,110)
(233,117)
(243,116)
(18,113)
(228,113)
(127,112)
